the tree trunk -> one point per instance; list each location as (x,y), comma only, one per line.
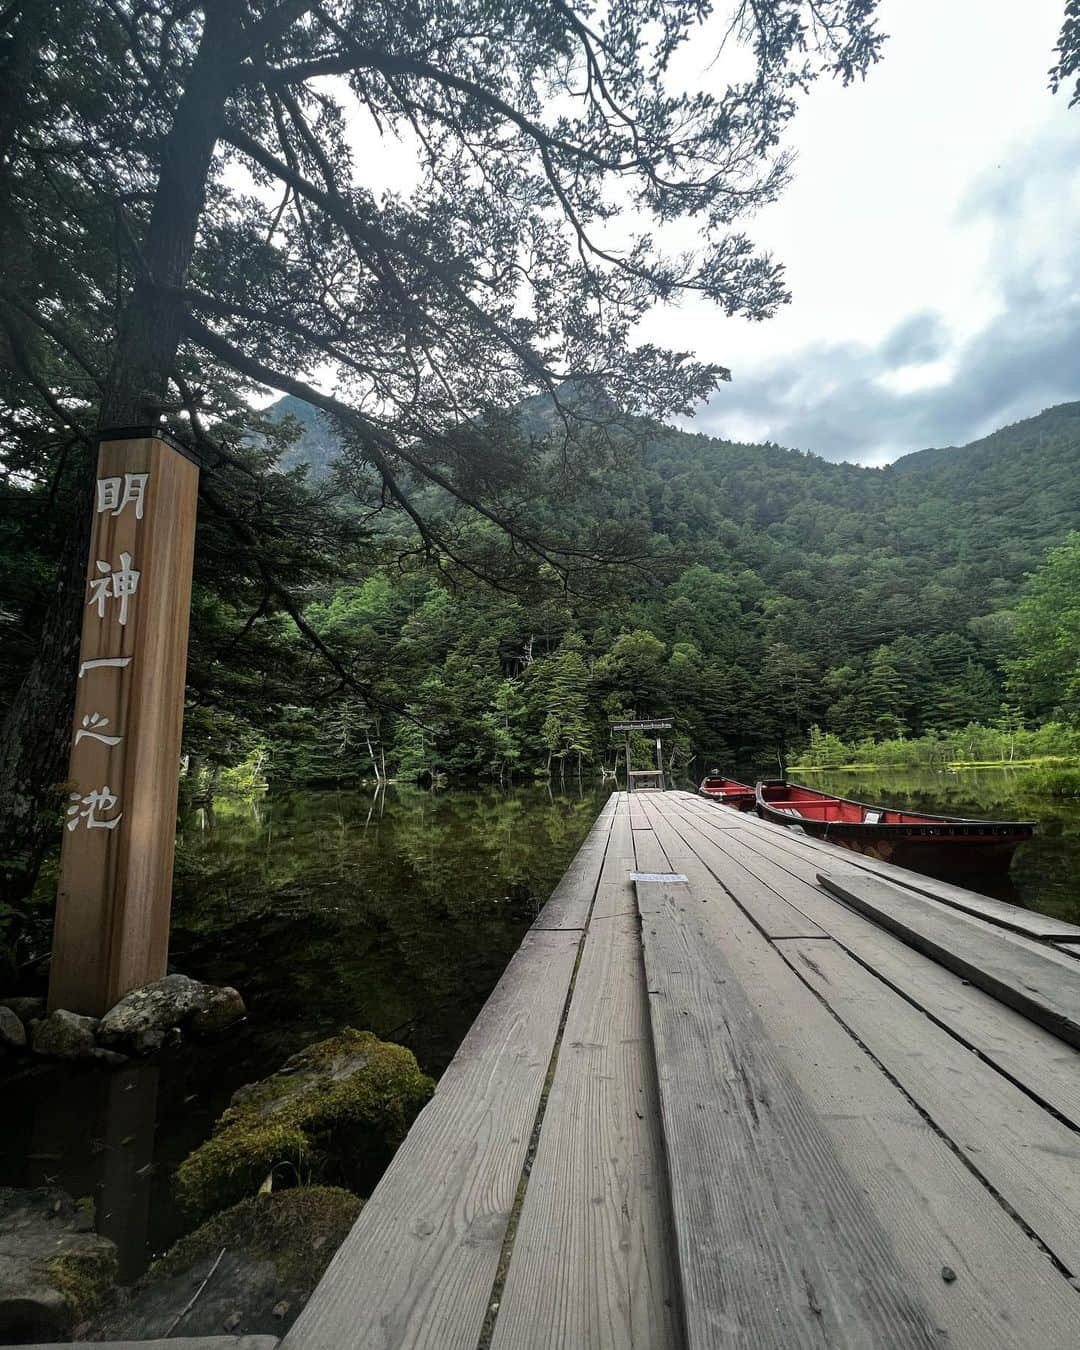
(36,737)
(23,50)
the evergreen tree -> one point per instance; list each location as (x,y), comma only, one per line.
(886,695)
(567,730)
(632,674)
(146,282)
(1046,678)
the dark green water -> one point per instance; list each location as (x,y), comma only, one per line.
(396,914)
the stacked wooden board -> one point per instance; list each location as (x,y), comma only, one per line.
(736,1090)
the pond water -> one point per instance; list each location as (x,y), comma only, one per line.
(396,914)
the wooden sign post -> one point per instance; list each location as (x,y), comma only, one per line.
(115,885)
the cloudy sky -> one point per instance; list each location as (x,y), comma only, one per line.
(932,243)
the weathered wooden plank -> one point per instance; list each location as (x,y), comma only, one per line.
(637,812)
(1043,926)
(768,845)
(615,895)
(648,855)
(1038,1060)
(1027,1155)
(592,1262)
(769,910)
(1042,985)
(937,1213)
(417,1269)
(572,898)
(173,1343)
(726,818)
(777,1247)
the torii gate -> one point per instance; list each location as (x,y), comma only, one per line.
(636,779)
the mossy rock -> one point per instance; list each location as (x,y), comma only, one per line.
(85,1279)
(254,1267)
(335,1112)
(297,1230)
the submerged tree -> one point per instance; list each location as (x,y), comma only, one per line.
(188,214)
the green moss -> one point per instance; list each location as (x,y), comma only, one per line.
(236,1162)
(84,1278)
(337,1111)
(298,1230)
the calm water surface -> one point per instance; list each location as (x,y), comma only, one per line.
(394,913)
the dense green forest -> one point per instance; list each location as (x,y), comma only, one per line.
(189,218)
(763,592)
(781,592)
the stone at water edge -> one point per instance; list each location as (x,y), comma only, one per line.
(25,1009)
(142,1019)
(64,1035)
(12,1031)
(54,1269)
(224,1008)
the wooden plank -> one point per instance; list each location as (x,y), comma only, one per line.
(1044,1065)
(592,1262)
(572,898)
(615,895)
(937,1213)
(1038,984)
(638,820)
(1027,1155)
(921,901)
(769,910)
(777,1248)
(417,1269)
(173,1343)
(648,855)
(1043,926)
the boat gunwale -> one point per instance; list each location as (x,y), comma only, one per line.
(958,827)
(740,796)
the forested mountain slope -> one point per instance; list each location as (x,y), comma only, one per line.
(999,502)
(788,591)
(1018,489)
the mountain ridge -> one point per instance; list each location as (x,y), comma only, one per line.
(317,441)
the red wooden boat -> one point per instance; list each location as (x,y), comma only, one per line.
(924,843)
(728,791)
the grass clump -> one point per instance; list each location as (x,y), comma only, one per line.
(335,1112)
(1052,782)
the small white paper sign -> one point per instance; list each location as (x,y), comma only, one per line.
(662,877)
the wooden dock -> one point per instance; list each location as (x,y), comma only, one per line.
(767,1095)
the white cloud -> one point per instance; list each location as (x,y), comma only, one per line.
(931,230)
